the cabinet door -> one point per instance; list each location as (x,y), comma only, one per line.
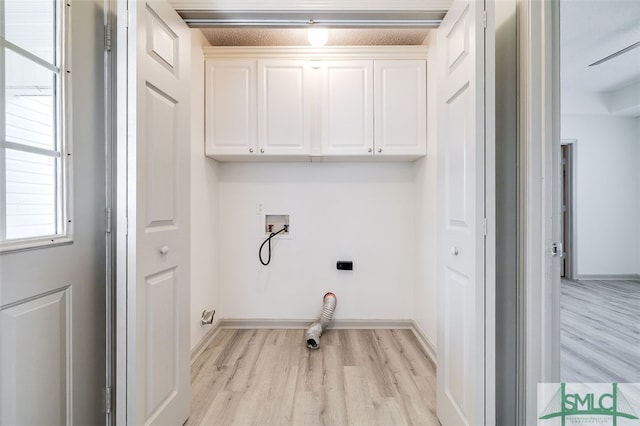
(284,112)
(400,107)
(230,107)
(346,104)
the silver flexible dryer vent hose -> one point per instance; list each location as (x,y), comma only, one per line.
(312,336)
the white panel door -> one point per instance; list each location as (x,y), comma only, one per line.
(158,382)
(231,107)
(284,107)
(400,107)
(461,182)
(346,107)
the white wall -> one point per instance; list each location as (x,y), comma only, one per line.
(204,195)
(339,211)
(638,217)
(425,177)
(608,193)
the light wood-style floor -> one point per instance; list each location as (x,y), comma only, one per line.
(269,377)
(600,331)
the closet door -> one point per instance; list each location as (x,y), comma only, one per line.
(158,385)
(466,285)
(346,103)
(284,107)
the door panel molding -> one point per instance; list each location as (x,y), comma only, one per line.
(36,366)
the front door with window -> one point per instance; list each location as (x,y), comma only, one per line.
(52,213)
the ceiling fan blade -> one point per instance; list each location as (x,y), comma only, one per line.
(618,53)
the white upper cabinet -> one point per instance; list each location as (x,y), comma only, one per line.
(400,107)
(294,104)
(231,127)
(346,107)
(284,112)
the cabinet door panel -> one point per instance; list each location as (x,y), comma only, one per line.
(347,108)
(284,99)
(400,107)
(231,107)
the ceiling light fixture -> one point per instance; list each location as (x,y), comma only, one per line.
(318,36)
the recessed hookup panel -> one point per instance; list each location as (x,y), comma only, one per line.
(275,222)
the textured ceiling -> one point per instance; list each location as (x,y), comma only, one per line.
(591,30)
(298,37)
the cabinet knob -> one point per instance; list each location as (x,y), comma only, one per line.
(164,250)
(379,149)
(251,150)
(261,150)
(370,149)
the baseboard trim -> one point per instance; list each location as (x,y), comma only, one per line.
(607,277)
(338,324)
(204,342)
(425,343)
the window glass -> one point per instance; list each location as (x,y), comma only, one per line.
(30,25)
(31,197)
(29,102)
(32,144)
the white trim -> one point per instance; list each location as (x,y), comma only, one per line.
(490,213)
(22,244)
(310,19)
(3,174)
(30,149)
(26,54)
(121,340)
(374,324)
(64,124)
(321,5)
(538,272)
(337,324)
(316,53)
(199,347)
(426,344)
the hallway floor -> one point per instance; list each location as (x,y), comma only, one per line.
(600,331)
(356,377)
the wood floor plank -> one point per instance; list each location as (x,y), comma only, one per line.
(600,331)
(360,404)
(334,410)
(269,377)
(406,370)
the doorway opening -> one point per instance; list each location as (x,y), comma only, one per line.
(600,194)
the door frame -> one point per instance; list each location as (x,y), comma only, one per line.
(539,202)
(570,257)
(111,166)
(121,14)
